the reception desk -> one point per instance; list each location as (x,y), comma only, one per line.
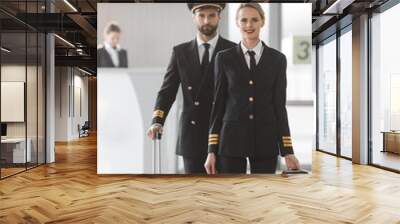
(125,101)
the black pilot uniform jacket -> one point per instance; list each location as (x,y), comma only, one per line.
(184,69)
(249,115)
(104,58)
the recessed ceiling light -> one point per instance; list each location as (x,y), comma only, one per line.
(337,7)
(70,5)
(84,71)
(5,50)
(64,40)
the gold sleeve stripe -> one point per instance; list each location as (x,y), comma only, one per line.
(287,141)
(287,145)
(213,143)
(158,113)
(213,139)
(213,135)
(286,137)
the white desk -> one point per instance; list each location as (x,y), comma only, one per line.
(19,149)
(125,101)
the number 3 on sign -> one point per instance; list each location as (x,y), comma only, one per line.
(301,50)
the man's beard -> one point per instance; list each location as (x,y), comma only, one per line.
(208,30)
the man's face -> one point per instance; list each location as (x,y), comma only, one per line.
(249,22)
(113,38)
(207,20)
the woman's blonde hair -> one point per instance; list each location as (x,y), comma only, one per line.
(253,5)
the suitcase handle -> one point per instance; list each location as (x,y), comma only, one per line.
(157,136)
(157,153)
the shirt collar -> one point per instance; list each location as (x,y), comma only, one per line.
(257,49)
(108,47)
(212,42)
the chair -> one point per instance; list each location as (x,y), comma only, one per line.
(84,130)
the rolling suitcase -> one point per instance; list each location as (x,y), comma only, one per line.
(157,154)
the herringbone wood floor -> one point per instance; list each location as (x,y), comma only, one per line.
(70,191)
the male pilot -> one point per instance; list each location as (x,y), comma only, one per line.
(191,67)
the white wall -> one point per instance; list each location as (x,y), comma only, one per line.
(67,81)
(80,83)
(61,103)
(296,21)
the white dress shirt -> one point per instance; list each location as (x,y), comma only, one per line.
(113,52)
(201,48)
(258,49)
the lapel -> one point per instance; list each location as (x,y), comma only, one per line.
(192,54)
(194,57)
(264,56)
(242,60)
(108,57)
(193,76)
(120,58)
(218,47)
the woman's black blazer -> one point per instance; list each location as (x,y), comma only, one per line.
(249,116)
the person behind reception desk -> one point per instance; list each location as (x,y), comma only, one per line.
(249,117)
(110,54)
(191,67)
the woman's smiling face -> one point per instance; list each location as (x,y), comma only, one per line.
(249,22)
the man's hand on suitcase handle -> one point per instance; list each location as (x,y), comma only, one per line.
(154,131)
(209,165)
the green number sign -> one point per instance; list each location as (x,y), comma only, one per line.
(301,50)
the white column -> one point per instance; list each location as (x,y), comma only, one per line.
(50,99)
(360,90)
(274,25)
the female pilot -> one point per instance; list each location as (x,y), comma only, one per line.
(249,118)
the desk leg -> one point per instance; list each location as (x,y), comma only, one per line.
(384,142)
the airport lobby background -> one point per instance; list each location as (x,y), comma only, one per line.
(286,25)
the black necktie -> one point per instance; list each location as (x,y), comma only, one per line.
(252,60)
(206,57)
